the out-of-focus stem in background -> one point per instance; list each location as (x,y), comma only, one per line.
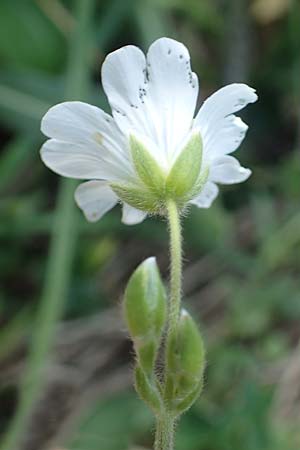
(63,240)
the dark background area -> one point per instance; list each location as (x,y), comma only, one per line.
(65,358)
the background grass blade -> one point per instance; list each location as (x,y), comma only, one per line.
(63,241)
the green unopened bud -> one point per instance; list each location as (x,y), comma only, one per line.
(145,311)
(149,171)
(186,169)
(186,363)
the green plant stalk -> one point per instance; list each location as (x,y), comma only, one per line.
(165,426)
(176,268)
(164,438)
(64,234)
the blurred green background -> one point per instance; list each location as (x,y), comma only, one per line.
(65,358)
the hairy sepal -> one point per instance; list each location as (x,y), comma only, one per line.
(146,167)
(185,172)
(186,363)
(138,197)
(152,190)
(198,186)
(145,310)
(147,390)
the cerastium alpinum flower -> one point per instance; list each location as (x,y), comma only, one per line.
(154,157)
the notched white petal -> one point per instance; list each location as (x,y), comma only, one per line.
(173,55)
(88,127)
(224,136)
(207,196)
(132,216)
(123,77)
(172,91)
(95,198)
(227,170)
(221,130)
(74,121)
(80,161)
(225,101)
(154,97)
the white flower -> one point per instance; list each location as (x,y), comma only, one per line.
(152,98)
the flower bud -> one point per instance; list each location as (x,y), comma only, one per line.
(186,363)
(186,169)
(145,311)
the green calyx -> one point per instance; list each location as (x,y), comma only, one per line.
(147,390)
(154,187)
(138,197)
(148,170)
(185,172)
(186,364)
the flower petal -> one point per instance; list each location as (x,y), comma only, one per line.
(85,135)
(95,198)
(206,196)
(132,216)
(156,98)
(123,80)
(224,137)
(173,91)
(227,170)
(79,161)
(221,131)
(225,101)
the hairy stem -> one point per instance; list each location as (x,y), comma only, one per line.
(164,435)
(176,267)
(164,438)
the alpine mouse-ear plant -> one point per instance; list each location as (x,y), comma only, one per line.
(155,157)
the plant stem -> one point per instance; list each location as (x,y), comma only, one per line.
(164,438)
(176,267)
